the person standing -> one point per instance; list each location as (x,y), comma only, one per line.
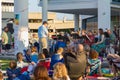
(43,34)
(6,39)
(9,39)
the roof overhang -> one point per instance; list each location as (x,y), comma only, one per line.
(115,10)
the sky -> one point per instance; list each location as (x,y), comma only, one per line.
(33,7)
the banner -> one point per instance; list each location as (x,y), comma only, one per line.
(17,19)
(23,36)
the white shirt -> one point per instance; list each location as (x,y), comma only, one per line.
(21,64)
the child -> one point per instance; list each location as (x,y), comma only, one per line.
(60,72)
(58,57)
(44,61)
(95,63)
(13,72)
(41,73)
(34,60)
(34,55)
(20,62)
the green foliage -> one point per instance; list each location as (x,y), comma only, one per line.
(4,64)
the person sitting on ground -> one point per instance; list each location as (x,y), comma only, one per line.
(1,76)
(20,62)
(34,60)
(41,73)
(60,72)
(58,57)
(94,63)
(34,55)
(27,55)
(44,61)
(76,62)
(13,72)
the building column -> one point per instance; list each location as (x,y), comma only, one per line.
(0,18)
(80,21)
(44,10)
(104,14)
(21,25)
(54,28)
(76,22)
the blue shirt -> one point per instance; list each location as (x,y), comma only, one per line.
(34,57)
(60,44)
(42,31)
(55,59)
(10,72)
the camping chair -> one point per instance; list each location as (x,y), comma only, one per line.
(116,66)
(45,62)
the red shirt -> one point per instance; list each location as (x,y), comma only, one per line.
(87,41)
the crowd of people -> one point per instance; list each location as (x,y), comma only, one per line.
(71,56)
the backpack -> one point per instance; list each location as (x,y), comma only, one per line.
(76,64)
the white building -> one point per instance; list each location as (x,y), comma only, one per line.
(7,11)
(103,10)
